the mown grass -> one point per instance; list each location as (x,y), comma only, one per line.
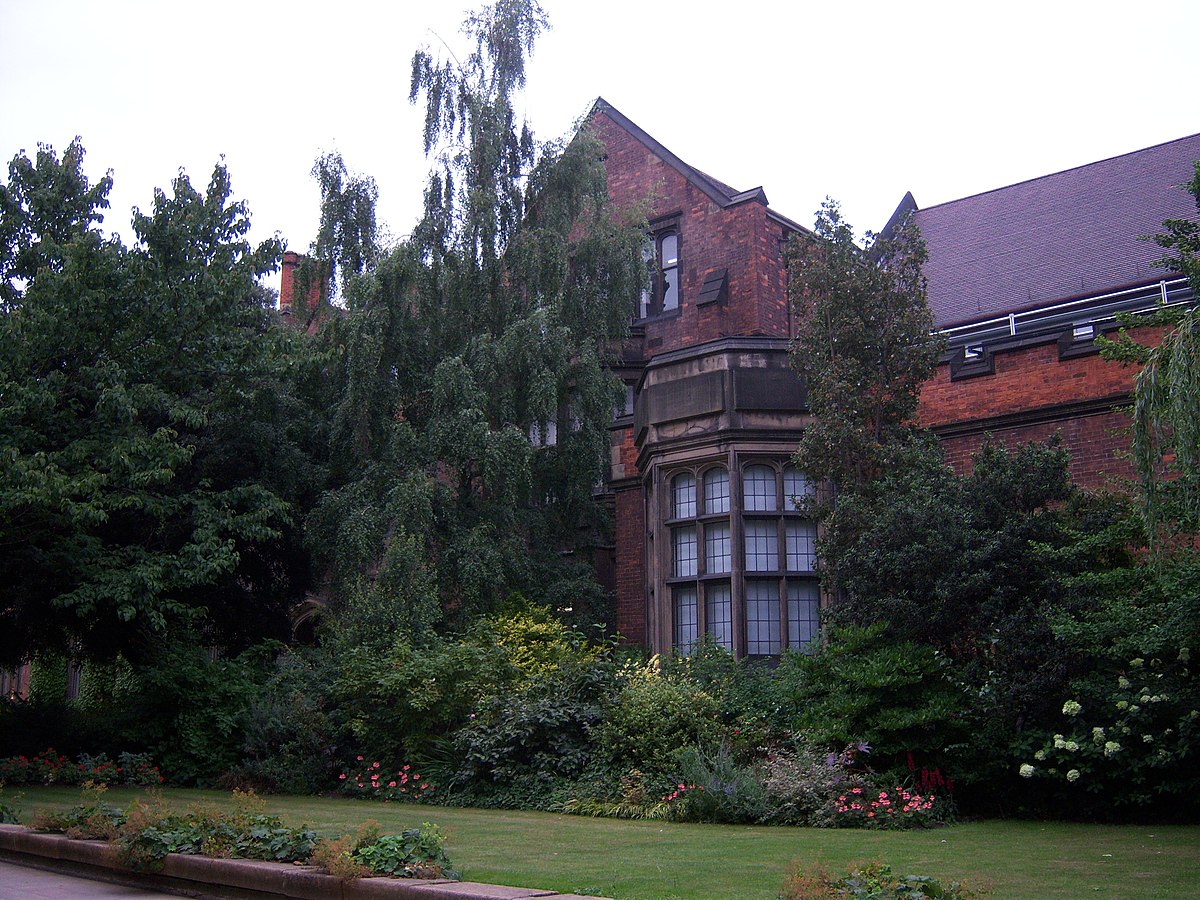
(661,861)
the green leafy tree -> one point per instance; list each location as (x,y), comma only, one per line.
(146,467)
(864,345)
(1166,412)
(462,348)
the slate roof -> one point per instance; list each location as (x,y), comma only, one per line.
(1062,236)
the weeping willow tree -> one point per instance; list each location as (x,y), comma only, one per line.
(1166,412)
(473,396)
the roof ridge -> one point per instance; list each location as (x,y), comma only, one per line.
(1097,162)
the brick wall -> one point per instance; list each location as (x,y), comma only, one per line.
(631,576)
(740,239)
(1032,395)
(1098,444)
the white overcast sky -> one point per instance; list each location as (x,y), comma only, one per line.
(860,101)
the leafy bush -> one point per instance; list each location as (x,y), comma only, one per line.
(634,795)
(746,691)
(93,818)
(192,707)
(874,881)
(802,784)
(415,853)
(370,779)
(714,788)
(138,768)
(540,729)
(148,835)
(893,809)
(292,732)
(654,714)
(399,703)
(864,686)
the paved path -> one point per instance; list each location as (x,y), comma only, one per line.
(25,883)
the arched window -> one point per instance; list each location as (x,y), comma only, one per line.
(701,558)
(758,489)
(779,560)
(743,563)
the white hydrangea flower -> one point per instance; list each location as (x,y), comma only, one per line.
(1111,748)
(1072,708)
(1073,775)
(1027,770)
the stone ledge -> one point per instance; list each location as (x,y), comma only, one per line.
(237,879)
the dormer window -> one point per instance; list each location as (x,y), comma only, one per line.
(661,253)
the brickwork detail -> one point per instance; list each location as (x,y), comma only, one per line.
(740,238)
(630,525)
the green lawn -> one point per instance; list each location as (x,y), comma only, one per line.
(656,861)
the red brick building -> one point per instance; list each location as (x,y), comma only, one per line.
(1021,279)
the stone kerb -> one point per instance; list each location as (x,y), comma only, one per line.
(245,879)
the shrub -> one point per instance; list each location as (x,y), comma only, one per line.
(802,784)
(894,809)
(400,703)
(634,795)
(192,708)
(873,881)
(93,818)
(539,729)
(148,834)
(370,779)
(138,768)
(746,691)
(652,716)
(415,853)
(864,686)
(336,857)
(51,767)
(292,732)
(714,788)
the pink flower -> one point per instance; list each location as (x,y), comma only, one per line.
(360,759)
(391,784)
(342,777)
(374,765)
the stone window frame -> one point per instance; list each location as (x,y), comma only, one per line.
(690,585)
(793,590)
(721,603)
(650,303)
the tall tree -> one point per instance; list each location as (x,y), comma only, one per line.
(468,346)
(864,345)
(144,470)
(1166,413)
